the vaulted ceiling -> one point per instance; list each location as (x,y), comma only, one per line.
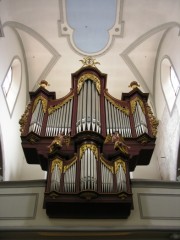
(124,36)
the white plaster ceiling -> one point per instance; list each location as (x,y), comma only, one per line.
(123,35)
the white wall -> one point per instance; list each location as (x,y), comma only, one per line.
(15,167)
(169,128)
(156,206)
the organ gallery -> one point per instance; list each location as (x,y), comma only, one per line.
(88,142)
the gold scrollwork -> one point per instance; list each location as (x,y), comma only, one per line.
(53,108)
(24,117)
(59,163)
(44,103)
(92,147)
(119,162)
(122,109)
(111,168)
(89,61)
(153,121)
(92,77)
(134,102)
(66,167)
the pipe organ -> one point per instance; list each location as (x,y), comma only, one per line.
(88,142)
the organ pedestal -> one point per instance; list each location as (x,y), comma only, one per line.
(88,142)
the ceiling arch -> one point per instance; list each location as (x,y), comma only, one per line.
(36,39)
(141,40)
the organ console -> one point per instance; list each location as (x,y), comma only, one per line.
(88,142)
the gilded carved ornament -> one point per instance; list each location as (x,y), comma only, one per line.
(153,121)
(57,162)
(53,108)
(122,109)
(134,85)
(134,102)
(44,84)
(117,165)
(43,101)
(24,118)
(92,147)
(89,61)
(89,76)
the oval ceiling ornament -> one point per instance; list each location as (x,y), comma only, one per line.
(91,25)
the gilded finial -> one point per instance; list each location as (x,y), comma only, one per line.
(89,61)
(44,84)
(134,85)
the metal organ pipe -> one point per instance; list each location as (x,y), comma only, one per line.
(89,103)
(93,91)
(55,178)
(70,179)
(60,120)
(106,179)
(116,120)
(139,120)
(37,118)
(88,112)
(121,180)
(88,171)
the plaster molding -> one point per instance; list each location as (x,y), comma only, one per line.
(23,213)
(135,44)
(116,31)
(38,37)
(163,215)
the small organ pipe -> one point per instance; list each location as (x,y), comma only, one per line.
(93,108)
(106,179)
(88,168)
(60,120)
(107,117)
(37,118)
(82,173)
(110,119)
(70,179)
(89,103)
(55,179)
(70,116)
(84,116)
(116,119)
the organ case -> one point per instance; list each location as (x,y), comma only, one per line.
(88,142)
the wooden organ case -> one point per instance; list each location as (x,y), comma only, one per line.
(88,142)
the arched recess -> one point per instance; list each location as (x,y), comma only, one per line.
(12,83)
(170,82)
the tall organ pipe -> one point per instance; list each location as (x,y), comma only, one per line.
(88,112)
(88,171)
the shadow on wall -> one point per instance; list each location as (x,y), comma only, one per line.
(178,164)
(1,163)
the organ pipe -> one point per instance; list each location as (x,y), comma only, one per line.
(139,120)
(60,120)
(88,110)
(37,118)
(70,179)
(88,170)
(56,170)
(116,120)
